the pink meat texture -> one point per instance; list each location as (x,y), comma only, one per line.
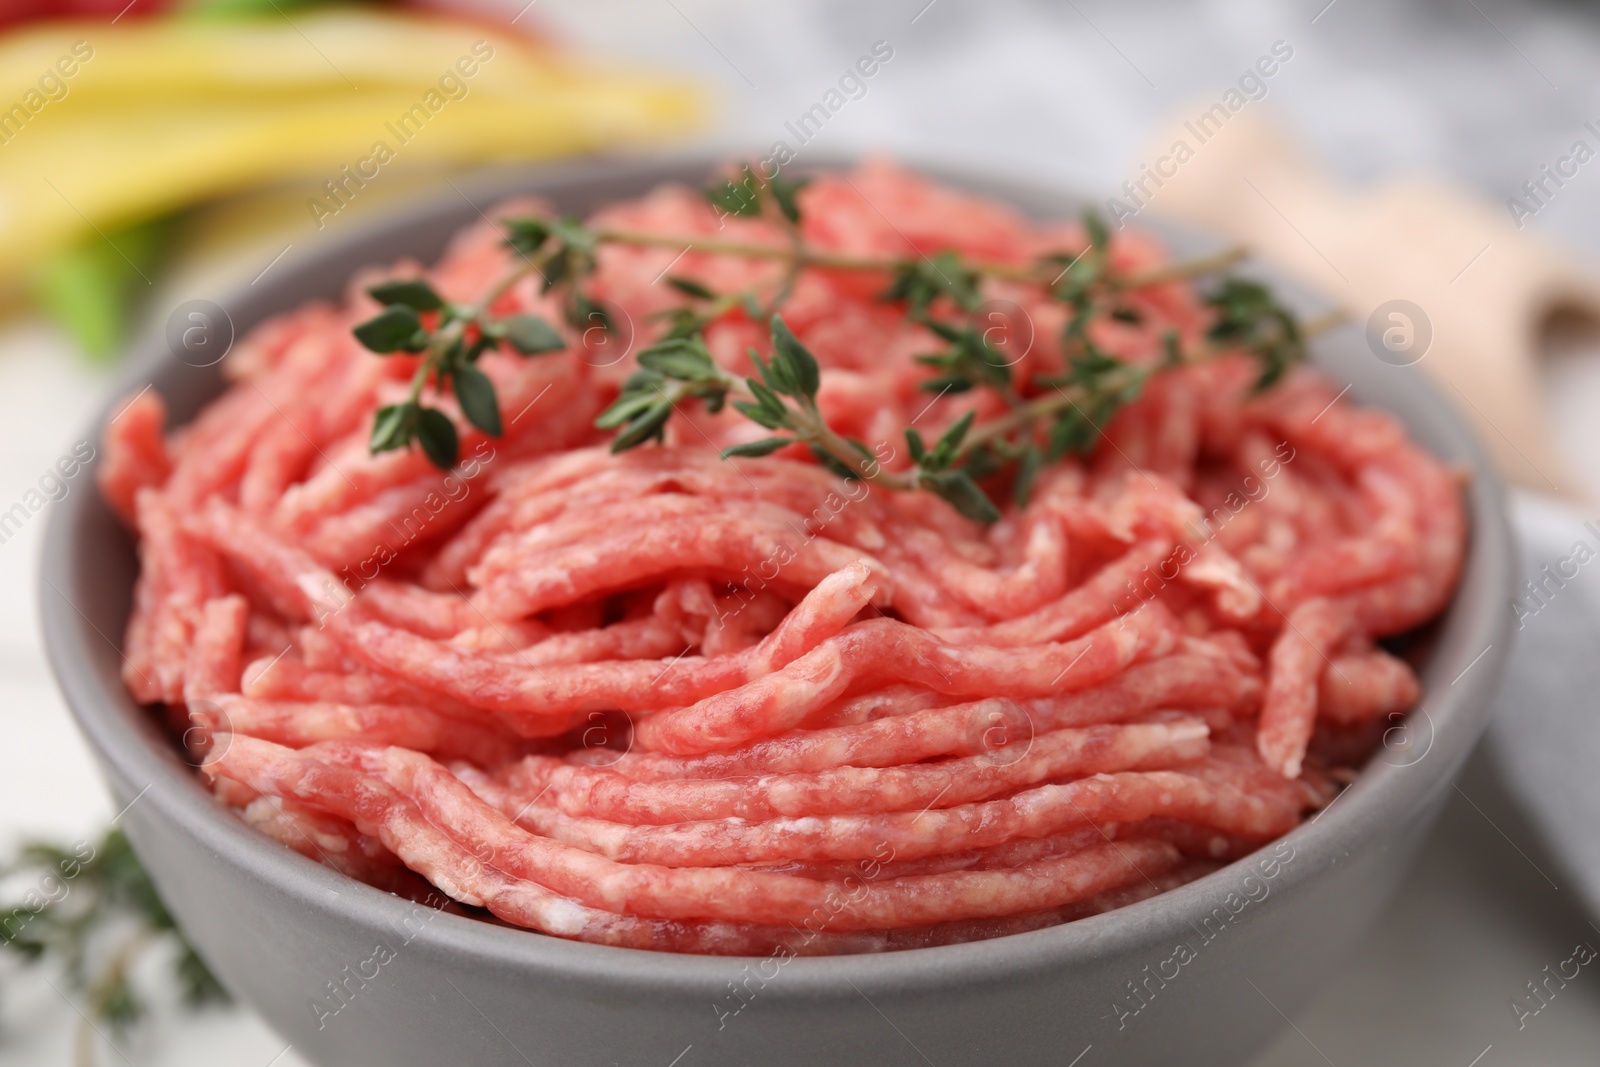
(662,700)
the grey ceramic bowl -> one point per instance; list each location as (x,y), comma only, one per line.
(1200,975)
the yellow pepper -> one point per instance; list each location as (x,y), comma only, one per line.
(101,126)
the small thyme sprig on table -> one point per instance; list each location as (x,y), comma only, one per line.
(90,909)
(1047,416)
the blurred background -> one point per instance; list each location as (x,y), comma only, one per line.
(157,152)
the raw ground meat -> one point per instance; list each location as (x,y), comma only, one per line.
(663,700)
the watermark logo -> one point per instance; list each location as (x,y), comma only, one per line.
(1538,191)
(1543,990)
(52,888)
(607,335)
(852,889)
(1399,332)
(852,86)
(452,85)
(53,485)
(340,991)
(605,735)
(1252,85)
(199,332)
(1005,733)
(52,86)
(208,720)
(1150,581)
(1538,591)
(1007,331)
(1408,738)
(1141,990)
(452,489)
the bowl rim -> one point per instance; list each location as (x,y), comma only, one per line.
(144,769)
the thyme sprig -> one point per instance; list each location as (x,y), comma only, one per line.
(451,337)
(1249,317)
(90,909)
(748,196)
(1047,416)
(782,397)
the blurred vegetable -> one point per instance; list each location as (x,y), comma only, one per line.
(160,114)
(92,289)
(231,8)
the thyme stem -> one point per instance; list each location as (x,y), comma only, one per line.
(813,429)
(800,258)
(1187,268)
(443,340)
(1067,396)
(100,993)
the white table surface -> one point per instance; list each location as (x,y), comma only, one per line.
(1068,92)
